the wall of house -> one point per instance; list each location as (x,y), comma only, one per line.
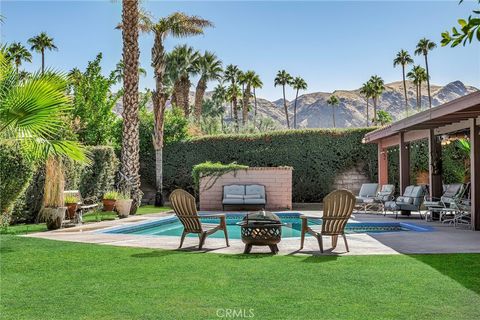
(277,182)
(351,179)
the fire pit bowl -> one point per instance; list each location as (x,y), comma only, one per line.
(261,228)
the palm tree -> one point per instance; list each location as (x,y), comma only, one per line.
(119,70)
(178,25)
(183,60)
(378,86)
(256,84)
(403,58)
(32,112)
(40,43)
(298,84)
(423,47)
(18,53)
(209,67)
(233,93)
(219,96)
(283,78)
(249,78)
(333,101)
(232,73)
(367,91)
(418,75)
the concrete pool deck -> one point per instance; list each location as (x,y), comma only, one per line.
(443,239)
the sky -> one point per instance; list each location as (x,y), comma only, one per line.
(332,45)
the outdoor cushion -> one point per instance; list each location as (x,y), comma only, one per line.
(252,196)
(254,201)
(255,189)
(404,199)
(234,196)
(232,201)
(234,189)
(368,190)
(391,205)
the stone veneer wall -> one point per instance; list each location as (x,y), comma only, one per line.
(351,179)
(277,182)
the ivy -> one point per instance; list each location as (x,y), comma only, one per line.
(214,170)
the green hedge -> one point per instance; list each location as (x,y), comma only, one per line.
(92,181)
(15,174)
(316,156)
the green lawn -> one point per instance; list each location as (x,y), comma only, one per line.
(43,279)
(151,209)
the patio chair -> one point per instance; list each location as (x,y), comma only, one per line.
(337,209)
(411,200)
(438,205)
(385,194)
(185,208)
(367,193)
(84,204)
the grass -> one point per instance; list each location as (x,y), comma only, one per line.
(151,209)
(44,279)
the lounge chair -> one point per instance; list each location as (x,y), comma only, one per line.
(337,209)
(438,205)
(367,193)
(385,194)
(83,206)
(411,200)
(185,208)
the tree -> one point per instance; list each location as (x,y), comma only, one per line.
(418,75)
(209,67)
(178,25)
(403,58)
(469,29)
(248,79)
(333,101)
(17,53)
(33,111)
(298,84)
(232,73)
(256,84)
(378,86)
(182,62)
(219,97)
(423,47)
(367,91)
(383,117)
(120,69)
(93,103)
(40,43)
(283,79)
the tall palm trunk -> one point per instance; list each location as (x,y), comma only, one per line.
(405,88)
(235,112)
(182,95)
(375,110)
(130,159)
(295,111)
(246,100)
(428,83)
(255,112)
(199,94)
(285,107)
(43,60)
(420,96)
(367,113)
(333,113)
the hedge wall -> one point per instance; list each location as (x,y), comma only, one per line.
(316,156)
(92,181)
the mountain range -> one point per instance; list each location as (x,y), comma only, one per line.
(314,112)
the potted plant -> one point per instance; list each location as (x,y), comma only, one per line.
(109,200)
(123,205)
(53,210)
(72,204)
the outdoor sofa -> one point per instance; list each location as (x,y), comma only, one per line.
(244,195)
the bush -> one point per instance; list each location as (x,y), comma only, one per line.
(15,173)
(213,169)
(316,156)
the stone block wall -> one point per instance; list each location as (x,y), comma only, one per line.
(277,182)
(351,179)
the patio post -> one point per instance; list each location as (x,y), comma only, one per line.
(435,165)
(475,172)
(404,163)
(382,165)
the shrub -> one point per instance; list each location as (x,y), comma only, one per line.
(15,173)
(213,169)
(316,155)
(111,195)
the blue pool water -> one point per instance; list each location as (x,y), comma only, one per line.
(291,226)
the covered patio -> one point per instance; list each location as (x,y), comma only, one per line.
(460,116)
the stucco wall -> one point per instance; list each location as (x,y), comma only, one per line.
(277,182)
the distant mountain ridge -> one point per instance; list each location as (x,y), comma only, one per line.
(314,112)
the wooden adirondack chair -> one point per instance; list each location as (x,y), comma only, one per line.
(186,210)
(337,209)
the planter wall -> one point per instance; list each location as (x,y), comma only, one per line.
(277,182)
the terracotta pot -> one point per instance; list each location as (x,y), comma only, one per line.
(54,217)
(123,207)
(108,204)
(71,210)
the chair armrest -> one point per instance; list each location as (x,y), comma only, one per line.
(428,198)
(213,215)
(310,217)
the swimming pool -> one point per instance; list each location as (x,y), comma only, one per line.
(171,226)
